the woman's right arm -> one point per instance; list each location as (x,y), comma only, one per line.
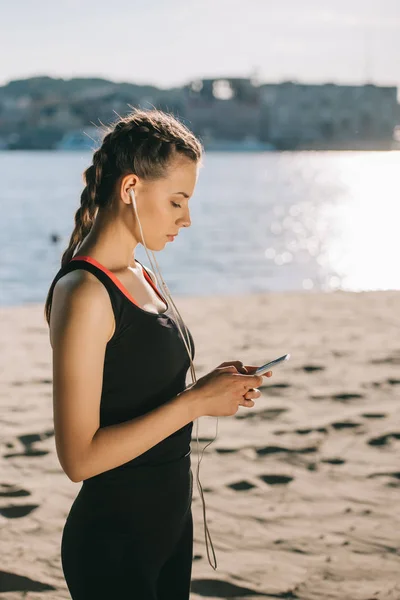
(81,324)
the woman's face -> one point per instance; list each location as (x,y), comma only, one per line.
(163,204)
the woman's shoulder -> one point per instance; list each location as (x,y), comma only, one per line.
(78,286)
(79,296)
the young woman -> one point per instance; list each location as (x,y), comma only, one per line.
(123,416)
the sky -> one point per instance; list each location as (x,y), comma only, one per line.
(171,42)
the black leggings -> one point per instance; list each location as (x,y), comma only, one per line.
(131,540)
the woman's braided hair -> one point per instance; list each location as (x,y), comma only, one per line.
(143,142)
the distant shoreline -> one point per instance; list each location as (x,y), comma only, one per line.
(193,298)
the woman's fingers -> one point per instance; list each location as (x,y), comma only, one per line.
(248,397)
(247,403)
(251,369)
(234,363)
(252,393)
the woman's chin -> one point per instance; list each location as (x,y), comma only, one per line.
(156,247)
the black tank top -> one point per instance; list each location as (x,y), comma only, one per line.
(145,364)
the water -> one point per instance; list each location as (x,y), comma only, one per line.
(260,222)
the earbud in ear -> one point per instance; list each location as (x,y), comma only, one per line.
(133,198)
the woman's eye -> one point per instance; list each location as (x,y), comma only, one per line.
(175,205)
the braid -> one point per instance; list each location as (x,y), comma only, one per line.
(84,216)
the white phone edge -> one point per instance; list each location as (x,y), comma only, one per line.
(267,367)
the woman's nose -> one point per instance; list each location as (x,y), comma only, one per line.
(185,220)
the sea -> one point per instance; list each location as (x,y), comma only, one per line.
(261,222)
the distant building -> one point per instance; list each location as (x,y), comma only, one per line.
(296,114)
(225,109)
(290,115)
(226,113)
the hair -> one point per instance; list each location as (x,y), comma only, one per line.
(144,143)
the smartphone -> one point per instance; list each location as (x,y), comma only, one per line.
(267,367)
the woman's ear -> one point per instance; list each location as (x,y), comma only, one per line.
(128,182)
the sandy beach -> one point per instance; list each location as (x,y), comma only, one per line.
(302,491)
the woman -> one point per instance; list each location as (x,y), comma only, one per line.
(122,416)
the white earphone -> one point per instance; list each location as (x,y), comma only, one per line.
(188,347)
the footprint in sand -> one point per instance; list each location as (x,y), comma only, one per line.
(345,396)
(276,479)
(311,368)
(28,452)
(383,440)
(305,431)
(345,425)
(275,449)
(269,414)
(27,440)
(30,438)
(302,430)
(373,415)
(241,486)
(8,490)
(339,397)
(389,360)
(224,589)
(395,474)
(10,582)
(17,511)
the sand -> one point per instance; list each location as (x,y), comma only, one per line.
(302,491)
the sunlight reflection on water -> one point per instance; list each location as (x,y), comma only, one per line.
(260,222)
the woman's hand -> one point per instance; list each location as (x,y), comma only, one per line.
(249,370)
